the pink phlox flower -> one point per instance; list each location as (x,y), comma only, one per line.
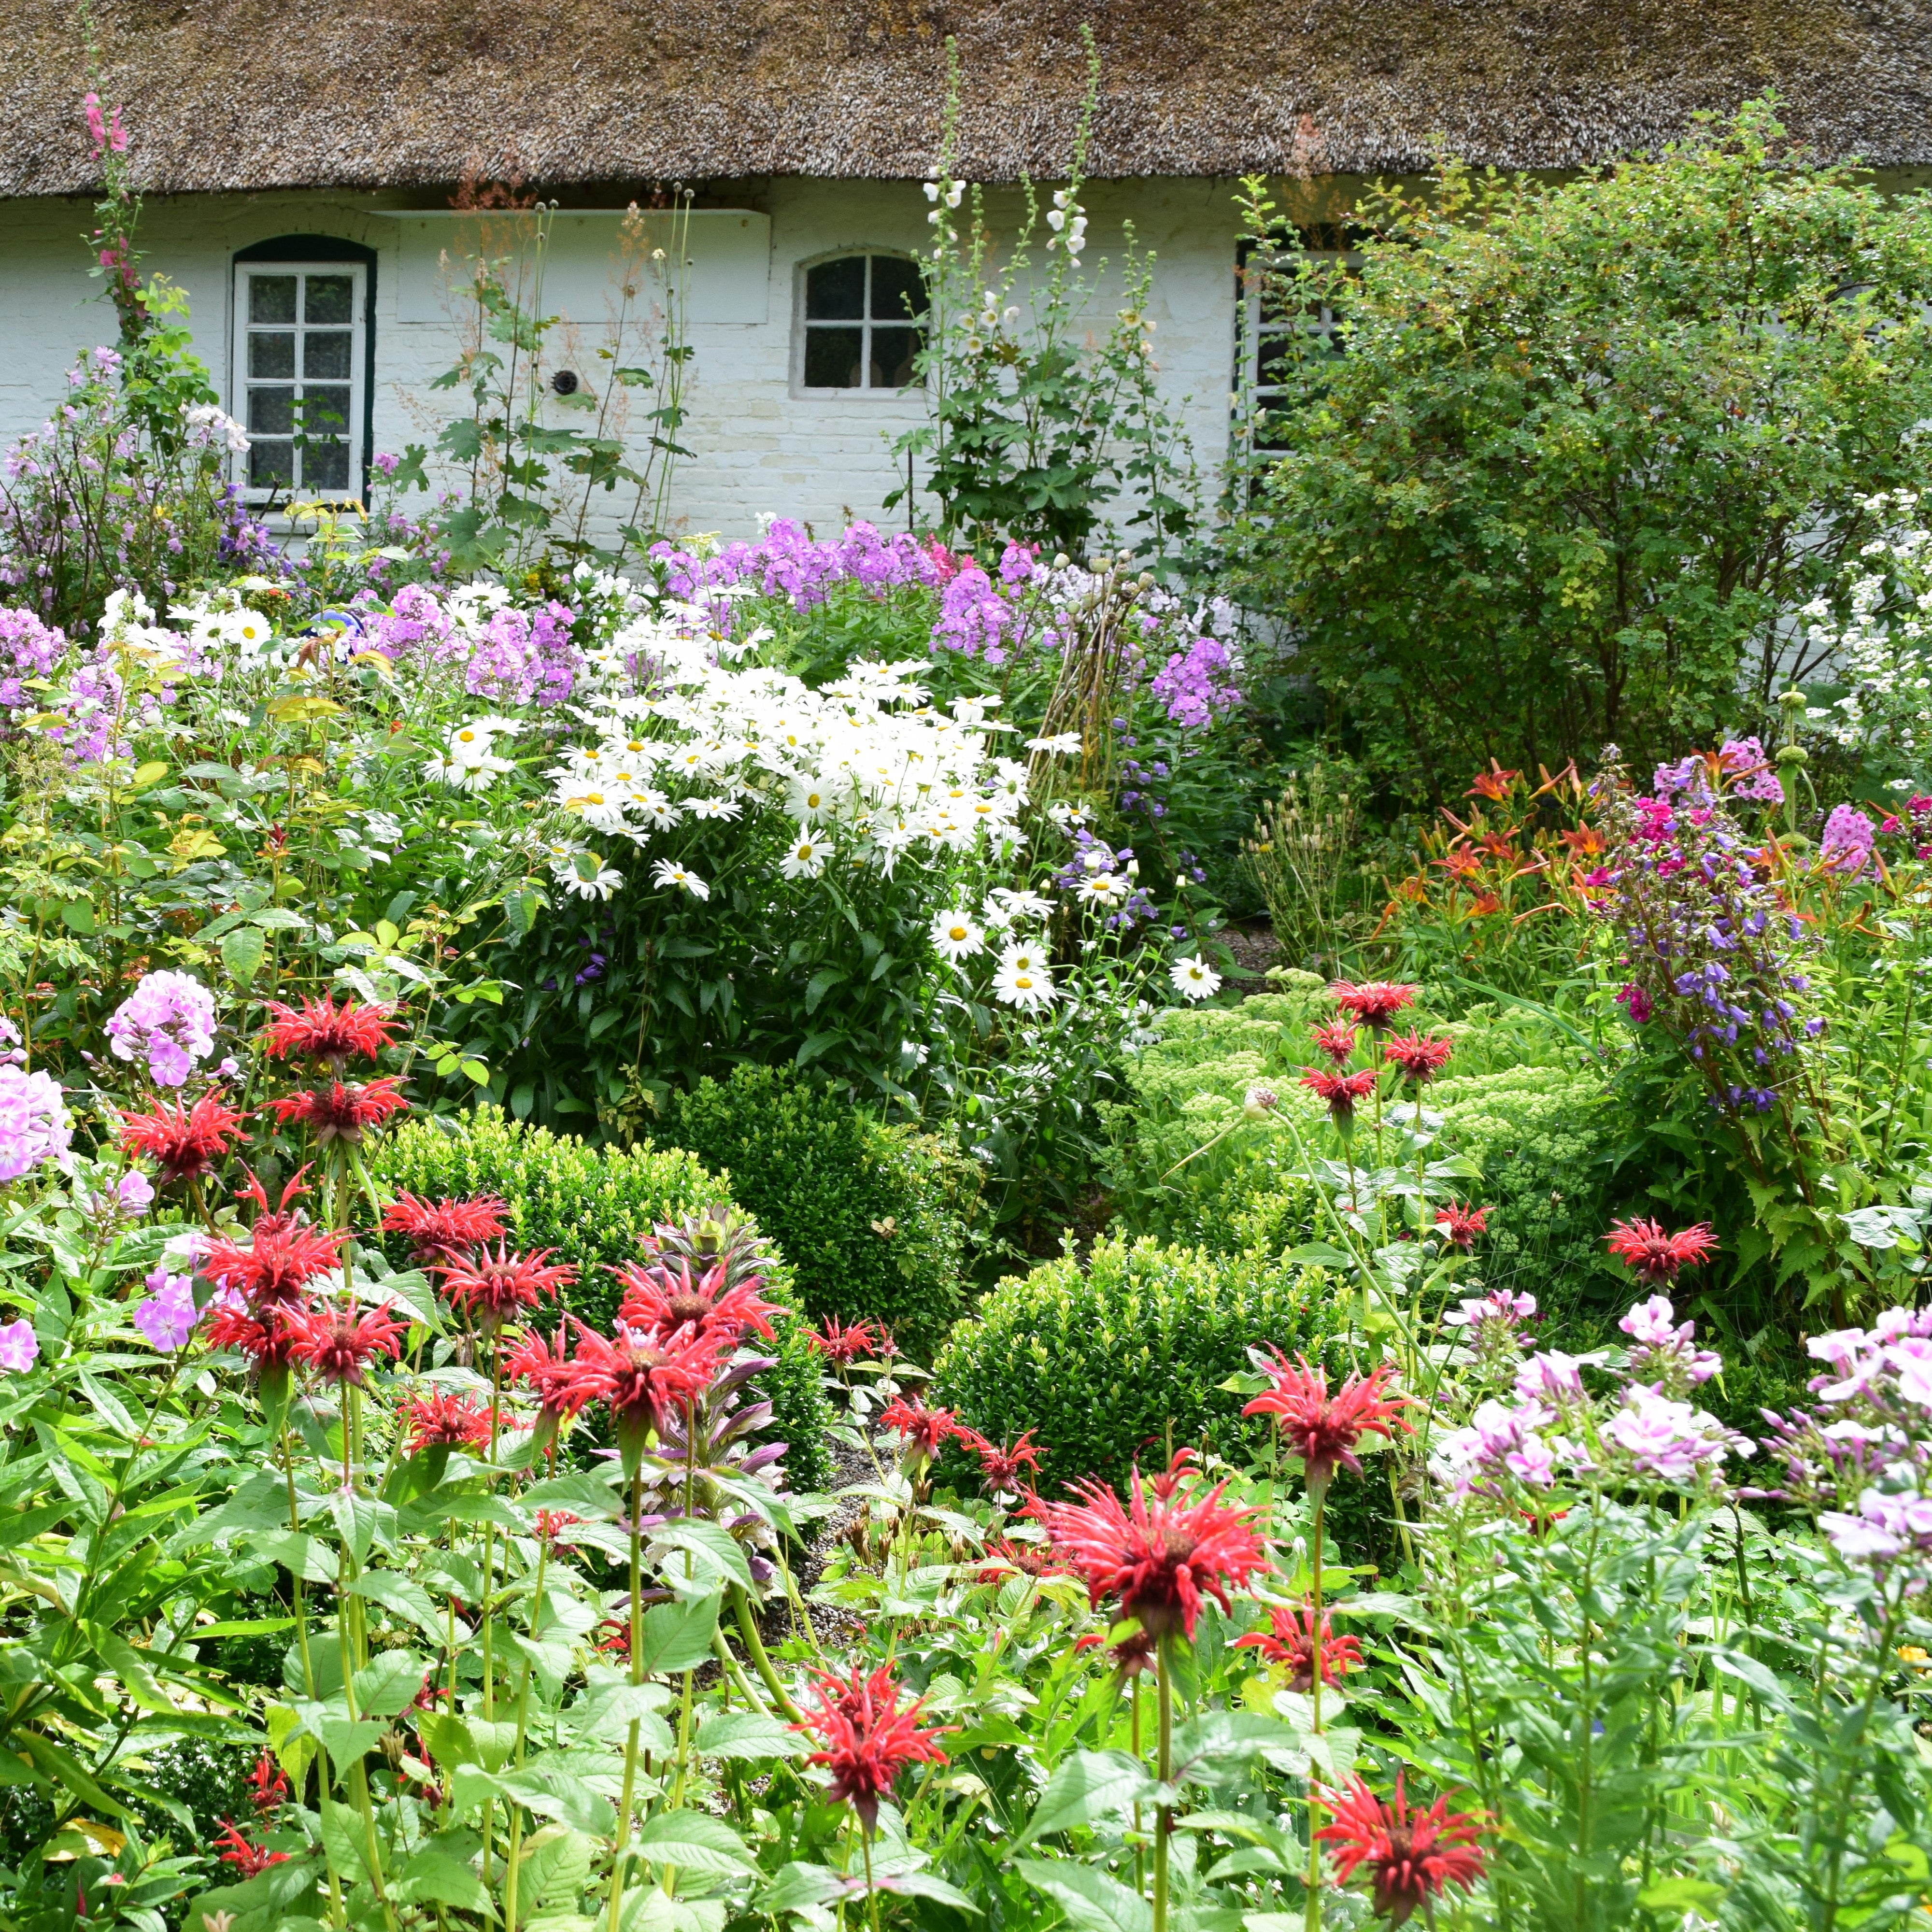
(18,1346)
(1886,1525)
(1667,1439)
(169,1315)
(1551,1372)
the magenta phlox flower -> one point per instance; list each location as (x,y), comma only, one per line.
(1749,774)
(1666,1355)
(34,1123)
(1667,1440)
(1551,1375)
(1845,845)
(19,1346)
(169,1018)
(1885,1527)
(28,649)
(1197,685)
(1500,1441)
(168,1316)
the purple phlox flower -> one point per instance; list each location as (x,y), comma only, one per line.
(1551,1372)
(1749,773)
(1665,1439)
(170,1017)
(34,1123)
(168,1317)
(1197,684)
(1885,1527)
(19,1346)
(12,1051)
(1846,844)
(1666,1355)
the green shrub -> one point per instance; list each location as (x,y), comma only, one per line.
(1102,1360)
(872,1217)
(590,1204)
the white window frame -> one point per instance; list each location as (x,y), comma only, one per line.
(354,490)
(1256,331)
(802,326)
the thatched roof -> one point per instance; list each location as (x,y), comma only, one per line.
(260,94)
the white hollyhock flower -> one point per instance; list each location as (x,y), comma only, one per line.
(955,937)
(1194,978)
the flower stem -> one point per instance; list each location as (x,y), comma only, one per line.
(748,1628)
(1163,1823)
(623,1837)
(1312,1918)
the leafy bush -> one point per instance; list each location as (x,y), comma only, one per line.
(591,1203)
(1592,445)
(1103,1359)
(872,1217)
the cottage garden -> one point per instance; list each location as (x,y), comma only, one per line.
(1009,1223)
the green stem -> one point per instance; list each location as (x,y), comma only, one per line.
(623,1837)
(1311,1913)
(1163,1823)
(748,1629)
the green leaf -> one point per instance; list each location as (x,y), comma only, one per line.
(389,1685)
(677,1635)
(1681,1894)
(556,1864)
(693,1841)
(747,1734)
(1084,1786)
(717,1558)
(242,952)
(435,1875)
(344,1840)
(407,1599)
(447,1738)
(1090,1899)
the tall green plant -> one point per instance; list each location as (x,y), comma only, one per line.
(1592,446)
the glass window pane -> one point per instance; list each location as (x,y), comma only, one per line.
(832,358)
(272,298)
(898,291)
(271,355)
(326,354)
(326,466)
(892,351)
(836,291)
(329,298)
(324,412)
(270,465)
(270,412)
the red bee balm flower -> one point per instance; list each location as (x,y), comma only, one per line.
(922,1432)
(1340,1091)
(867,1739)
(842,1347)
(1323,1429)
(438,1228)
(183,1142)
(546,1366)
(1373,1004)
(1290,1639)
(493,1285)
(1459,1225)
(320,1030)
(439,1419)
(1003,1468)
(638,1381)
(338,1343)
(1337,1040)
(1644,1248)
(267,1339)
(1157,1554)
(1412,1857)
(344,1113)
(250,1861)
(268,1790)
(1420,1060)
(283,1252)
(666,1302)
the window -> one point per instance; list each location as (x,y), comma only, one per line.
(860,324)
(1279,327)
(301,368)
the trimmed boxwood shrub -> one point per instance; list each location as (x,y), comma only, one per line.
(590,1204)
(1100,1359)
(873,1217)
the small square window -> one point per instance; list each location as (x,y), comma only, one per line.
(1279,329)
(300,365)
(858,326)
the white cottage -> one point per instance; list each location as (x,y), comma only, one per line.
(300,168)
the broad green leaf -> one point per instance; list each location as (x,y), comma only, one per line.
(556,1865)
(677,1635)
(713,1558)
(1090,1899)
(693,1841)
(447,1737)
(749,1734)
(1084,1786)
(389,1685)
(435,1875)
(242,952)
(343,1838)
(405,1598)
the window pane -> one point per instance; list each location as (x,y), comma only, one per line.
(326,466)
(272,297)
(271,355)
(270,412)
(835,291)
(899,292)
(270,465)
(329,298)
(325,411)
(325,354)
(892,351)
(832,358)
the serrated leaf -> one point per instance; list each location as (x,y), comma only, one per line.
(1090,1899)
(693,1841)
(1086,1786)
(677,1635)
(748,1734)
(388,1684)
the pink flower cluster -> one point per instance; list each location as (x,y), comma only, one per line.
(1666,1357)
(169,1018)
